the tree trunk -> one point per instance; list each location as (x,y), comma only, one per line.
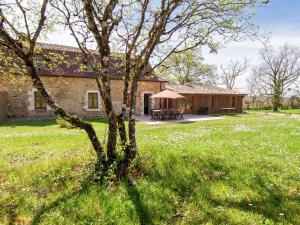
(132,151)
(122,130)
(58,111)
(276,103)
(112,138)
(276,99)
(112,120)
(121,123)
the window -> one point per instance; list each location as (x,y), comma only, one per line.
(93,100)
(39,101)
(233,102)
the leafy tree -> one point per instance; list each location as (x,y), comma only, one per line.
(142,32)
(20,28)
(150,32)
(188,67)
(278,71)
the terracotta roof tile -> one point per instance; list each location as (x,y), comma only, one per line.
(70,53)
(56,47)
(202,89)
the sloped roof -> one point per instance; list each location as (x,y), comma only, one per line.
(71,54)
(202,89)
(56,47)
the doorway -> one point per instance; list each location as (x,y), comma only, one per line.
(189,105)
(147,104)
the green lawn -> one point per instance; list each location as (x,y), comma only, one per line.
(283,111)
(240,170)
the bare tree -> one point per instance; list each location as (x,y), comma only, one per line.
(231,72)
(253,93)
(277,72)
(188,67)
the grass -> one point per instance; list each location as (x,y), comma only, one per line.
(283,111)
(239,170)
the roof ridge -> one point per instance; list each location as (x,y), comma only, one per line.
(58,47)
(202,89)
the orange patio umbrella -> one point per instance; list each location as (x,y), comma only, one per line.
(167,94)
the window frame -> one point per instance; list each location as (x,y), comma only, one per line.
(95,100)
(41,104)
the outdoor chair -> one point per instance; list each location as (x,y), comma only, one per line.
(155,114)
(163,114)
(178,114)
(170,114)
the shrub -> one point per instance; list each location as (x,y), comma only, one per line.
(284,107)
(267,107)
(64,124)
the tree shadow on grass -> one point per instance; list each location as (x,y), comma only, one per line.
(24,122)
(269,203)
(140,208)
(42,122)
(272,203)
(38,217)
(132,191)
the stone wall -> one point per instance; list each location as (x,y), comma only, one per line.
(68,92)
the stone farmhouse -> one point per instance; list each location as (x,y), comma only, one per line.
(76,91)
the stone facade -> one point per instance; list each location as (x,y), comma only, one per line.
(70,93)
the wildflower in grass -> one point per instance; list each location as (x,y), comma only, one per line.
(242,128)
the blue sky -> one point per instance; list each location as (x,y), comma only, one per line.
(280,19)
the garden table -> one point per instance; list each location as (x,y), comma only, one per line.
(229,110)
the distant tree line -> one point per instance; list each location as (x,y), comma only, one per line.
(273,84)
(275,77)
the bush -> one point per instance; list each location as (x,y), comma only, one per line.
(284,107)
(295,107)
(64,124)
(267,107)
